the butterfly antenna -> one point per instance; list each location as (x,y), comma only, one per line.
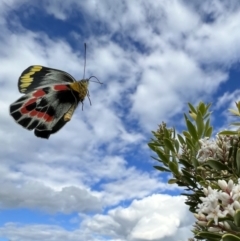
(96,79)
(85,59)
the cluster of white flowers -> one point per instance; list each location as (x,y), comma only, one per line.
(218,203)
(216,149)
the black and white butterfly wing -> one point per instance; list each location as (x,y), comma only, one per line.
(39,76)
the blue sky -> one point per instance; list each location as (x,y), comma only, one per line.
(94,179)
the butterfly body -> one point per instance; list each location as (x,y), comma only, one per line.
(49,101)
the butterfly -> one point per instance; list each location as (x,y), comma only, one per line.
(50,98)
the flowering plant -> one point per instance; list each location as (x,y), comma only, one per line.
(209,170)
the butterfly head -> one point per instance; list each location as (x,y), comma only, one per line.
(82,88)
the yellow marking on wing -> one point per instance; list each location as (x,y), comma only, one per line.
(23,90)
(36,68)
(26,80)
(27,75)
(24,85)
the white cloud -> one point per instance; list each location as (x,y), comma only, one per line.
(37,196)
(157,217)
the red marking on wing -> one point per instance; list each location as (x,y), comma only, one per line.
(46,117)
(35,113)
(49,118)
(24,109)
(60,87)
(39,93)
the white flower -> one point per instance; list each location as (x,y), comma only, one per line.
(216,213)
(230,209)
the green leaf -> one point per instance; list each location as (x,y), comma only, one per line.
(237,218)
(230,237)
(238,161)
(209,132)
(189,181)
(191,107)
(202,108)
(187,174)
(173,167)
(193,115)
(162,156)
(206,116)
(233,226)
(235,124)
(195,162)
(200,125)
(234,112)
(162,169)
(180,138)
(192,130)
(172,181)
(190,144)
(207,106)
(166,133)
(214,164)
(155,158)
(207,125)
(185,163)
(169,144)
(228,133)
(181,184)
(209,235)
(176,145)
(152,146)
(186,134)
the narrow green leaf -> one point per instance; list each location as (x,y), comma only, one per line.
(237,218)
(181,184)
(234,112)
(169,144)
(187,174)
(233,226)
(216,165)
(192,130)
(186,134)
(195,162)
(173,167)
(189,181)
(209,132)
(180,138)
(193,115)
(207,115)
(228,133)
(202,108)
(155,158)
(191,107)
(207,106)
(176,145)
(172,181)
(230,237)
(189,143)
(200,125)
(209,235)
(162,169)
(162,156)
(238,161)
(185,163)
(152,146)
(207,125)
(235,124)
